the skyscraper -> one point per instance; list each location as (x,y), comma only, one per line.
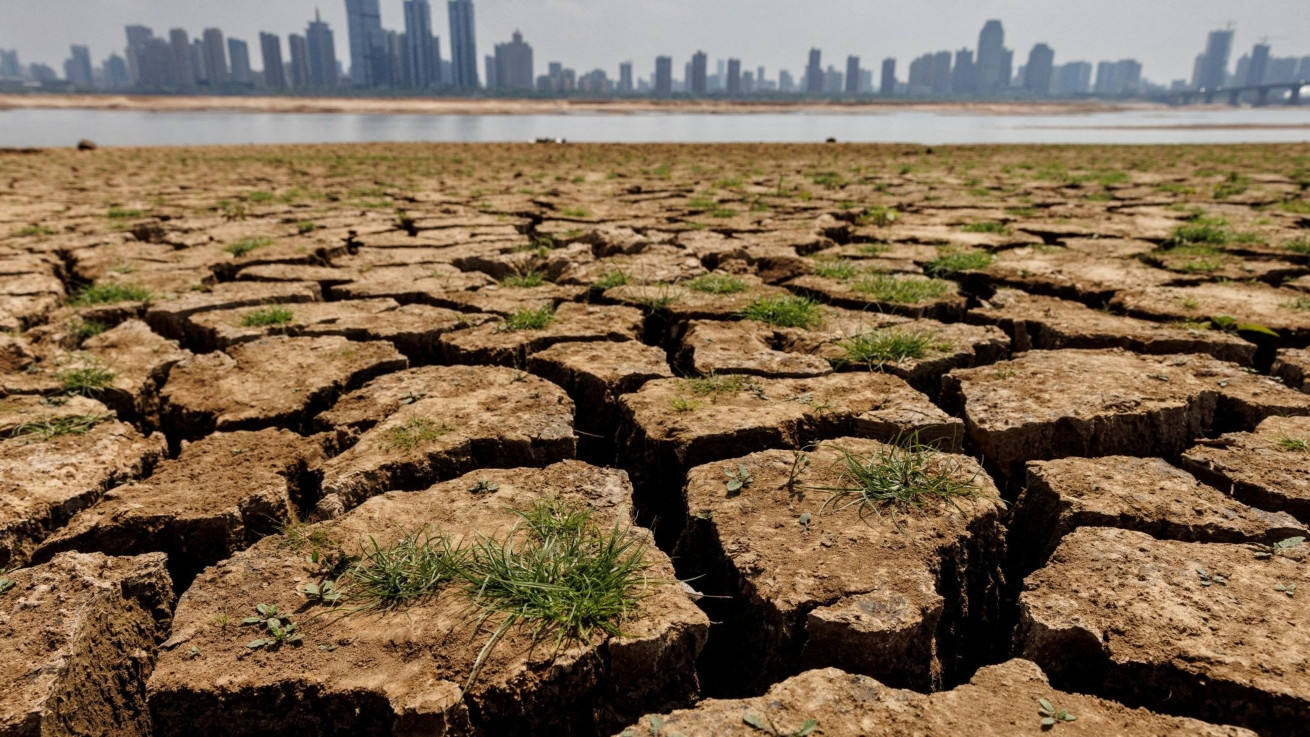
(77,69)
(625,77)
(964,78)
(239,53)
(299,61)
(270,47)
(215,56)
(422,55)
(696,80)
(1074,78)
(734,77)
(664,76)
(514,64)
(887,85)
(322,54)
(463,45)
(814,73)
(852,75)
(116,76)
(1041,64)
(994,60)
(137,38)
(368,43)
(181,44)
(1212,66)
(1255,73)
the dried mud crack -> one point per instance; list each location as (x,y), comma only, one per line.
(594,440)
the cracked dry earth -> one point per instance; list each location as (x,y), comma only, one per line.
(231,379)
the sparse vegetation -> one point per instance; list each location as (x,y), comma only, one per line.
(304,227)
(902,289)
(80,331)
(528,280)
(415,432)
(835,269)
(277,629)
(48,428)
(88,378)
(717,284)
(33,231)
(786,312)
(1294,445)
(986,226)
(1267,551)
(246,245)
(769,727)
(891,345)
(110,293)
(528,319)
(950,264)
(267,317)
(404,573)
(120,213)
(615,278)
(1052,716)
(738,479)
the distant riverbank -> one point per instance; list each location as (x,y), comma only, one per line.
(498,106)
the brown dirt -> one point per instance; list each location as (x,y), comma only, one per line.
(856,588)
(999,701)
(77,639)
(1268,468)
(949,308)
(494,344)
(1127,616)
(403,672)
(1249,303)
(1293,367)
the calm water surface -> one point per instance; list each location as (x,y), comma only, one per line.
(130,128)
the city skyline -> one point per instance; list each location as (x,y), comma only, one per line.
(1161,37)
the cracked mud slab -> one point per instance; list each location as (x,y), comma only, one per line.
(1267,468)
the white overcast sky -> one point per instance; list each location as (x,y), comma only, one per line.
(1166,35)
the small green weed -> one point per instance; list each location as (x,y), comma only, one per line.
(575,212)
(1051,715)
(769,727)
(1289,589)
(48,428)
(717,284)
(986,226)
(835,269)
(716,384)
(953,263)
(413,433)
(683,404)
(404,573)
(278,629)
(524,281)
(903,290)
(891,345)
(305,227)
(877,216)
(528,319)
(1300,245)
(1294,445)
(242,247)
(89,379)
(1208,580)
(80,331)
(1302,304)
(119,213)
(33,230)
(787,312)
(5,583)
(99,294)
(267,317)
(615,278)
(738,479)
(1265,552)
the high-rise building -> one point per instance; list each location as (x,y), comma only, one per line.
(696,79)
(733,83)
(322,54)
(422,49)
(785,81)
(197,56)
(77,69)
(463,45)
(1041,65)
(513,65)
(116,76)
(215,57)
(1074,78)
(137,38)
(239,54)
(1212,66)
(1255,73)
(852,75)
(1282,70)
(9,66)
(964,78)
(489,71)
(185,71)
(664,76)
(299,46)
(814,73)
(369,66)
(940,79)
(887,84)
(270,47)
(1123,77)
(994,60)
(625,77)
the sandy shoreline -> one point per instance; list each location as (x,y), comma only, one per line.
(467,106)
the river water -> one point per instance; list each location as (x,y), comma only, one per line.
(21,128)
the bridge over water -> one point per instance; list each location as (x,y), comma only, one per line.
(1236,93)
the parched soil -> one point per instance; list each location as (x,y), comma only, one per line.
(318,364)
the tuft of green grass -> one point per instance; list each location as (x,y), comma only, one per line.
(1294,445)
(615,278)
(787,312)
(986,226)
(878,216)
(524,281)
(953,263)
(716,384)
(891,345)
(99,294)
(415,432)
(904,290)
(267,317)
(33,230)
(404,573)
(906,477)
(242,247)
(90,379)
(118,213)
(528,319)
(835,269)
(1302,304)
(717,284)
(575,212)
(1300,245)
(683,404)
(558,573)
(80,331)
(47,428)
(306,226)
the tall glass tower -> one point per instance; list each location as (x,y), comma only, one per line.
(463,46)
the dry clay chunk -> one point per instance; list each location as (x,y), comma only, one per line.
(220,495)
(880,589)
(999,701)
(1174,624)
(1293,367)
(77,642)
(507,344)
(1048,323)
(269,382)
(1053,404)
(140,361)
(743,347)
(456,419)
(403,670)
(1144,494)
(1268,468)
(1282,310)
(170,317)
(46,480)
(596,374)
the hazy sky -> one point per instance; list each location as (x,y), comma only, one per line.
(1165,35)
